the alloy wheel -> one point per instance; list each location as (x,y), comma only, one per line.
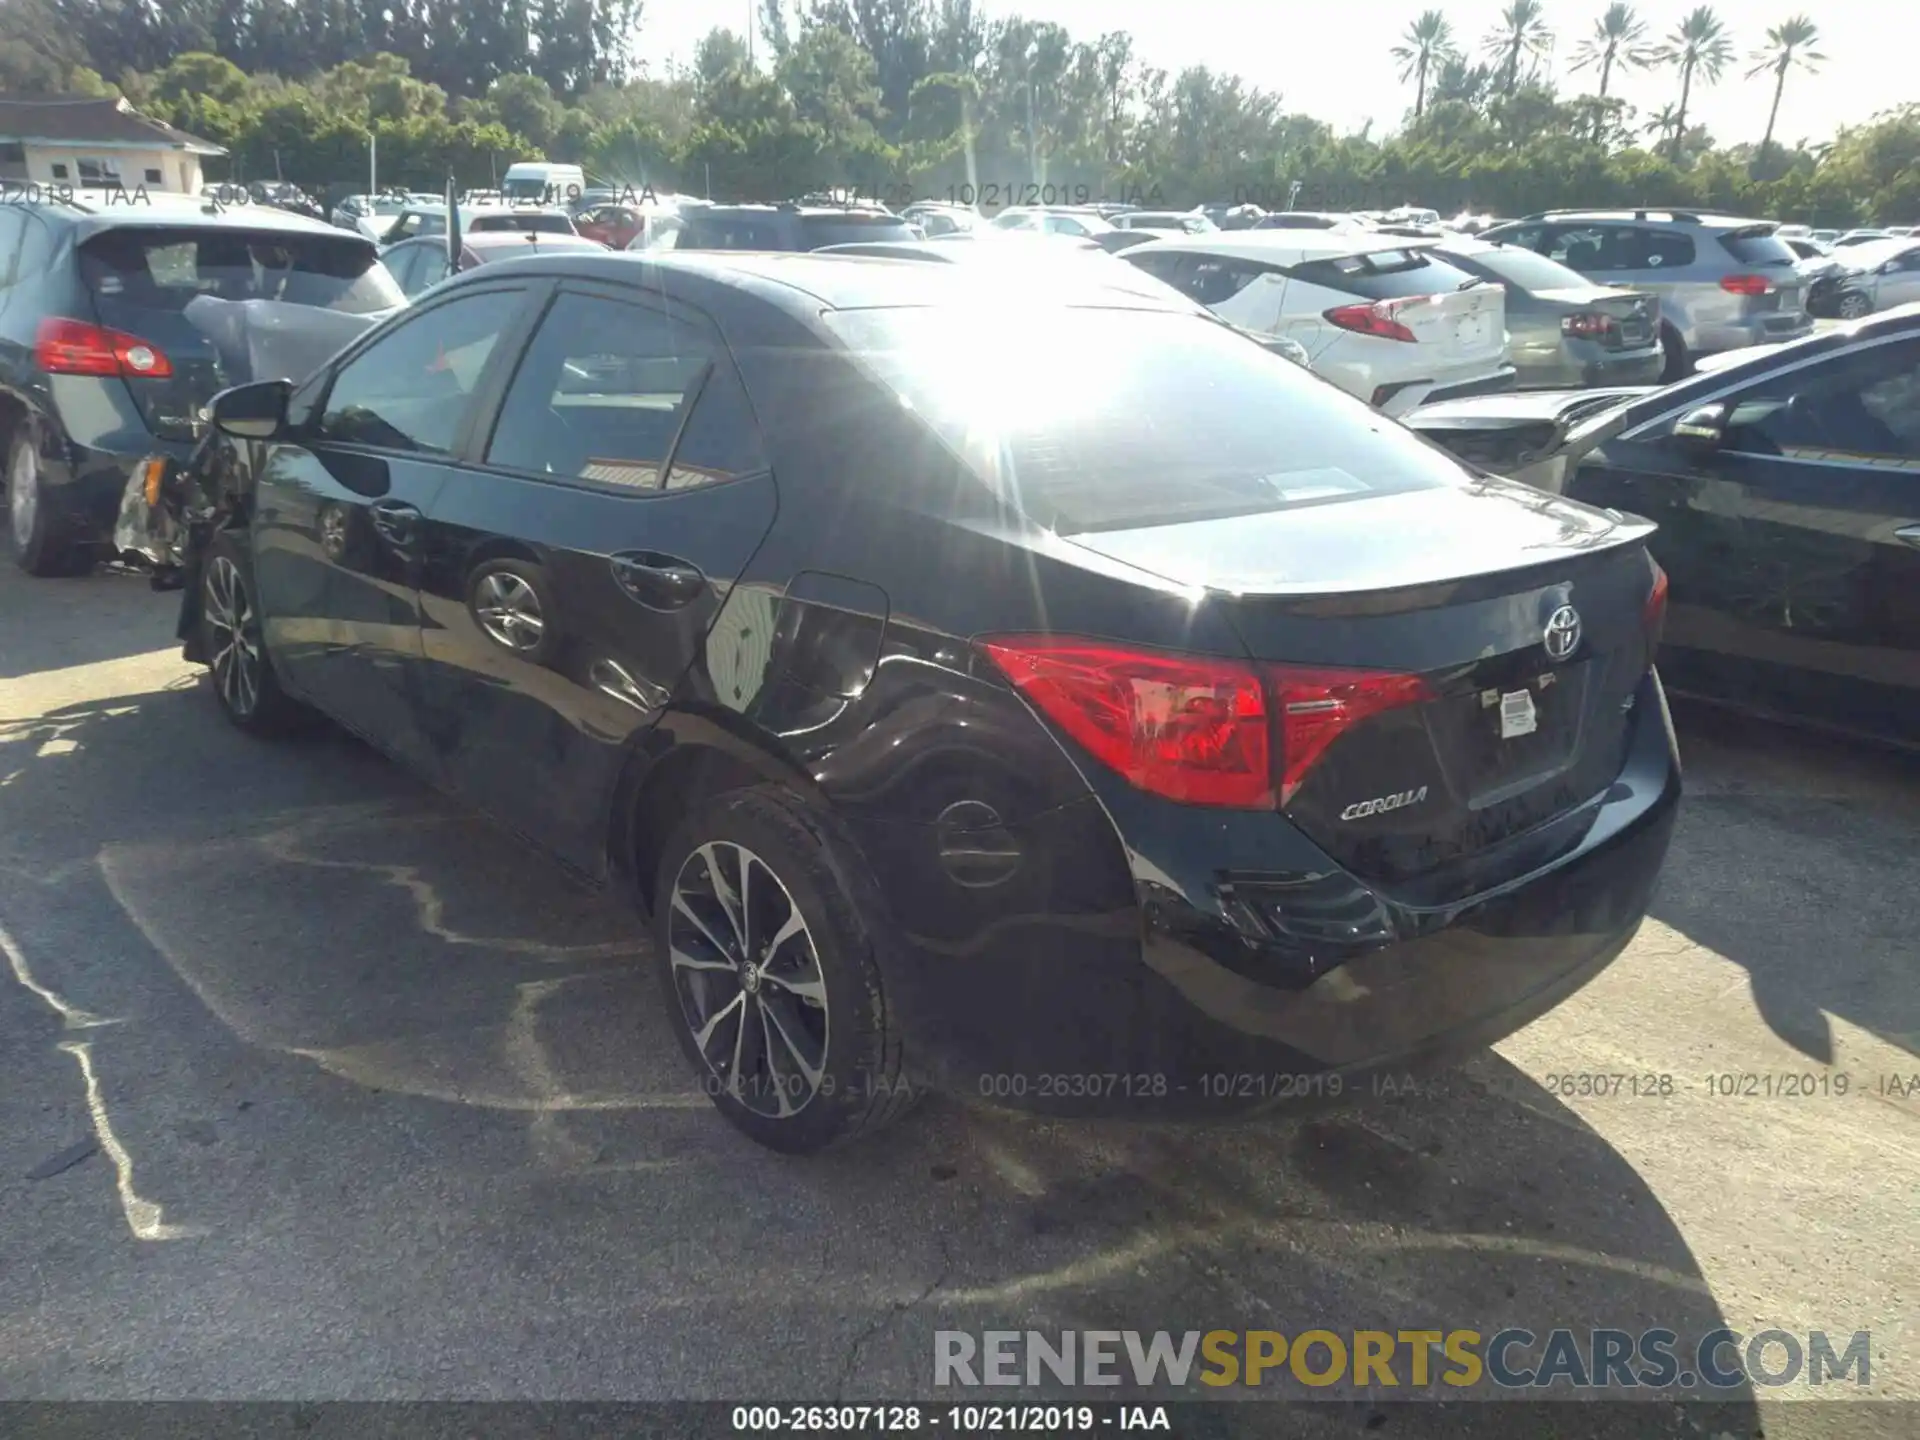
(1852,307)
(23,493)
(509,610)
(235,649)
(748,976)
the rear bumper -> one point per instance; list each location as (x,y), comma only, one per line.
(1759,330)
(1157,994)
(1583,365)
(87,486)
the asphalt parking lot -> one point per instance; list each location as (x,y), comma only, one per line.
(313,1087)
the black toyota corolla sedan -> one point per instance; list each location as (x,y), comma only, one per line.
(1041,694)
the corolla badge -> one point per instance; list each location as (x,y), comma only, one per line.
(1381,804)
(1563,633)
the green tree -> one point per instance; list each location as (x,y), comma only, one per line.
(1421,51)
(1789,45)
(1701,49)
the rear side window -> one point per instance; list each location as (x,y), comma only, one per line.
(1111,445)
(1385,274)
(1757,247)
(600,393)
(1663,250)
(153,269)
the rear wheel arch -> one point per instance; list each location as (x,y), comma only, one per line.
(686,759)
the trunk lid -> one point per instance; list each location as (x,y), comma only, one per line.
(1462,326)
(141,279)
(1527,708)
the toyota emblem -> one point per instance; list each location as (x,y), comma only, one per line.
(1563,633)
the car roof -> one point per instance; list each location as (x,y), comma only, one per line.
(1280,247)
(804,282)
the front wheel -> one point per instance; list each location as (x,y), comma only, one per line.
(1854,306)
(767,942)
(231,641)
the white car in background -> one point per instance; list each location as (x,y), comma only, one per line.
(1391,323)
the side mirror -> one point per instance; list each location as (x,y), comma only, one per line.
(253,412)
(1702,429)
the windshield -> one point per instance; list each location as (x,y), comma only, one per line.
(164,269)
(1524,268)
(1102,419)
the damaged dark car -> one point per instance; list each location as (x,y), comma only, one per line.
(1124,704)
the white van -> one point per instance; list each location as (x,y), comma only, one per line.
(537,182)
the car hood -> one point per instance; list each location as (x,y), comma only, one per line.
(1518,408)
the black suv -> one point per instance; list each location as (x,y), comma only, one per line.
(100,367)
(786,227)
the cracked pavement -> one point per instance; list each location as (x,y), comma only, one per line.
(380,1105)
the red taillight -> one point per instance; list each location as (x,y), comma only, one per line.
(1196,729)
(1746,284)
(1586,324)
(1377,319)
(73,347)
(1190,728)
(1317,706)
(1654,616)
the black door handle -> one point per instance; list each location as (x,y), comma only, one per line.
(394,520)
(1910,534)
(661,582)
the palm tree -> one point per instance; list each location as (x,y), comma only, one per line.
(1427,43)
(1664,125)
(1618,39)
(1522,31)
(1789,43)
(1698,46)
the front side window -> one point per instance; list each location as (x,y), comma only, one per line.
(1862,407)
(601,393)
(413,388)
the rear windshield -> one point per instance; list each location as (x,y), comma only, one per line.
(1097,419)
(161,269)
(823,230)
(1385,274)
(1526,270)
(541,224)
(1757,247)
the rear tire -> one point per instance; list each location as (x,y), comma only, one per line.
(244,682)
(40,543)
(1679,363)
(778,1001)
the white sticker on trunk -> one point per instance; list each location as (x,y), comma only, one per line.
(1517,715)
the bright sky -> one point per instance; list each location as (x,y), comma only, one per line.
(1331,60)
